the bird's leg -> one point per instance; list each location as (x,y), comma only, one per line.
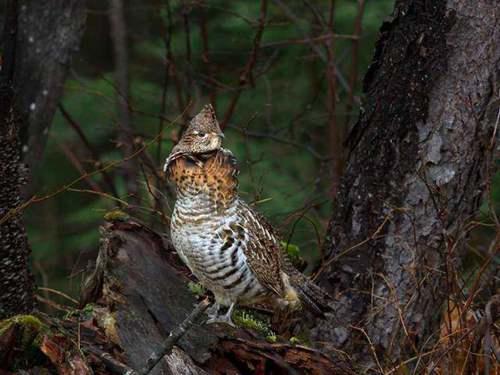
(213,311)
(216,318)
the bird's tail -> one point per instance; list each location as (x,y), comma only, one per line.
(313,298)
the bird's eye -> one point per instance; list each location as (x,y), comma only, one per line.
(201,134)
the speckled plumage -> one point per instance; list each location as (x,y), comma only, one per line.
(228,246)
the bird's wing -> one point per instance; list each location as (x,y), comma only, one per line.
(263,251)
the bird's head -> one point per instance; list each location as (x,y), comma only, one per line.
(201,136)
(203,133)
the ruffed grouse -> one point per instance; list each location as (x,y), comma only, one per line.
(228,246)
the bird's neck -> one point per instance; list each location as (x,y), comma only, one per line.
(208,186)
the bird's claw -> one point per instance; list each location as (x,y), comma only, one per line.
(214,317)
(225,319)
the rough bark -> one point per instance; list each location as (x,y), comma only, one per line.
(417,168)
(47,38)
(16,280)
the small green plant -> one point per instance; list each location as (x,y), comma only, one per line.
(196,288)
(293,252)
(249,320)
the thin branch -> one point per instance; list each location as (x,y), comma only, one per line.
(167,345)
(254,134)
(125,133)
(167,39)
(247,75)
(206,56)
(318,39)
(95,156)
(321,54)
(37,199)
(73,159)
(114,366)
(188,63)
(353,72)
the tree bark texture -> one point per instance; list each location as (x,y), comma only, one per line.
(16,280)
(417,167)
(47,39)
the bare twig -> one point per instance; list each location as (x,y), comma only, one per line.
(167,38)
(125,134)
(353,72)
(114,366)
(66,187)
(318,39)
(167,345)
(247,76)
(206,56)
(93,153)
(321,54)
(188,63)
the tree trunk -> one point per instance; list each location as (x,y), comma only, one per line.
(16,280)
(418,163)
(37,45)
(47,38)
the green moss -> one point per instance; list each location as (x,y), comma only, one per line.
(250,320)
(32,329)
(301,339)
(116,215)
(272,338)
(196,288)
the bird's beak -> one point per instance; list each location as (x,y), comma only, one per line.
(221,135)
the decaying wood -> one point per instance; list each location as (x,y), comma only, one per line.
(146,296)
(64,355)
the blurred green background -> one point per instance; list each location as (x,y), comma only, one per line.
(279,130)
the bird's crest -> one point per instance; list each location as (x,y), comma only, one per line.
(202,135)
(205,121)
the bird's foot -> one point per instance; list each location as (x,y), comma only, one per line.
(214,317)
(213,310)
